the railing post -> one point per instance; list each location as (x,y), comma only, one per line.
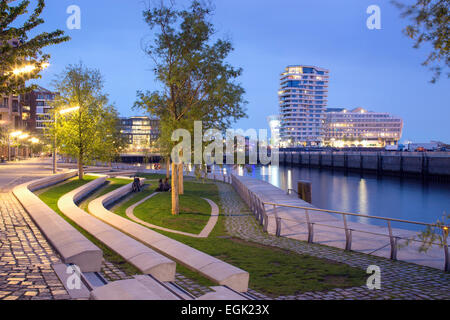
(261,213)
(393,241)
(278,231)
(446,253)
(310,228)
(266,217)
(348,235)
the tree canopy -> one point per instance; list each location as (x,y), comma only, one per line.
(91,132)
(19,51)
(198,84)
(430,24)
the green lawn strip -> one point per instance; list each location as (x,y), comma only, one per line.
(273,271)
(51,197)
(152,176)
(112,184)
(194,211)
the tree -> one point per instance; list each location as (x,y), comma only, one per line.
(91,132)
(431,20)
(198,84)
(20,51)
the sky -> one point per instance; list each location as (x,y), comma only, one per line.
(378,70)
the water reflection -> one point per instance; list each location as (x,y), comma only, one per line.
(408,199)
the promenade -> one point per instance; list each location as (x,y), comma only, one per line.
(399,280)
(329,229)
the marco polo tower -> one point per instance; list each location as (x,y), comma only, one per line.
(303,100)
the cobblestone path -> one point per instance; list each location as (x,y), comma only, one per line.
(399,280)
(25,257)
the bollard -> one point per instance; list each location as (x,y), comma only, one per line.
(304,190)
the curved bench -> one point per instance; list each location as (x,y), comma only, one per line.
(212,268)
(142,257)
(71,245)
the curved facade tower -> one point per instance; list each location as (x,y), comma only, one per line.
(303,100)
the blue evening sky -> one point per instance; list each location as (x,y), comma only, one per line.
(374,69)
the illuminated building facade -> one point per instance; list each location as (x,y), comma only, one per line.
(36,109)
(140,133)
(303,98)
(274,124)
(361,128)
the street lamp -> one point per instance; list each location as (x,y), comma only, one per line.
(12,135)
(61,112)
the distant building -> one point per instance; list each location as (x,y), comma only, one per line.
(359,127)
(10,108)
(274,124)
(36,109)
(141,133)
(10,112)
(303,99)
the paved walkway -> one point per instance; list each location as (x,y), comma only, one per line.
(203,234)
(329,229)
(399,280)
(25,257)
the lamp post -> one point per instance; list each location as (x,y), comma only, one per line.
(12,135)
(60,112)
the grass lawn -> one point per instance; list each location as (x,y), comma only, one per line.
(194,211)
(113,184)
(273,271)
(51,197)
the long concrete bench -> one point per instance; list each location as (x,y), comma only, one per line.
(142,257)
(208,266)
(139,288)
(71,245)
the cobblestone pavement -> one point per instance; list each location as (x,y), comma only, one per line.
(399,280)
(25,257)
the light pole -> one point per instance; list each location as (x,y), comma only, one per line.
(60,112)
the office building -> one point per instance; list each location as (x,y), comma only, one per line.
(361,128)
(141,133)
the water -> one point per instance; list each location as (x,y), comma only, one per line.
(367,194)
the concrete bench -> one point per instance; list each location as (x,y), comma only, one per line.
(139,288)
(71,245)
(212,268)
(142,257)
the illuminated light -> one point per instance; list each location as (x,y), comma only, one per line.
(34,140)
(24,136)
(16,134)
(68,110)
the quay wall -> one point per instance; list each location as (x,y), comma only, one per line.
(423,164)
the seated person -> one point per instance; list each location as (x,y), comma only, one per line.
(160,186)
(136,184)
(167,185)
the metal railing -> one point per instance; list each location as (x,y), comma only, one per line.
(258,207)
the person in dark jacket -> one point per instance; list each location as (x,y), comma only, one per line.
(167,187)
(136,184)
(160,186)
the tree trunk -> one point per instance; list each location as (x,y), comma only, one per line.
(168,167)
(180,179)
(80,168)
(175,198)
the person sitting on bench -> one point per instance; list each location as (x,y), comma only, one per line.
(167,187)
(136,184)
(160,186)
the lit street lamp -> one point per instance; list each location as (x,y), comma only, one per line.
(61,112)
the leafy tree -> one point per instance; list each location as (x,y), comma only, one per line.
(430,23)
(198,84)
(91,132)
(18,49)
